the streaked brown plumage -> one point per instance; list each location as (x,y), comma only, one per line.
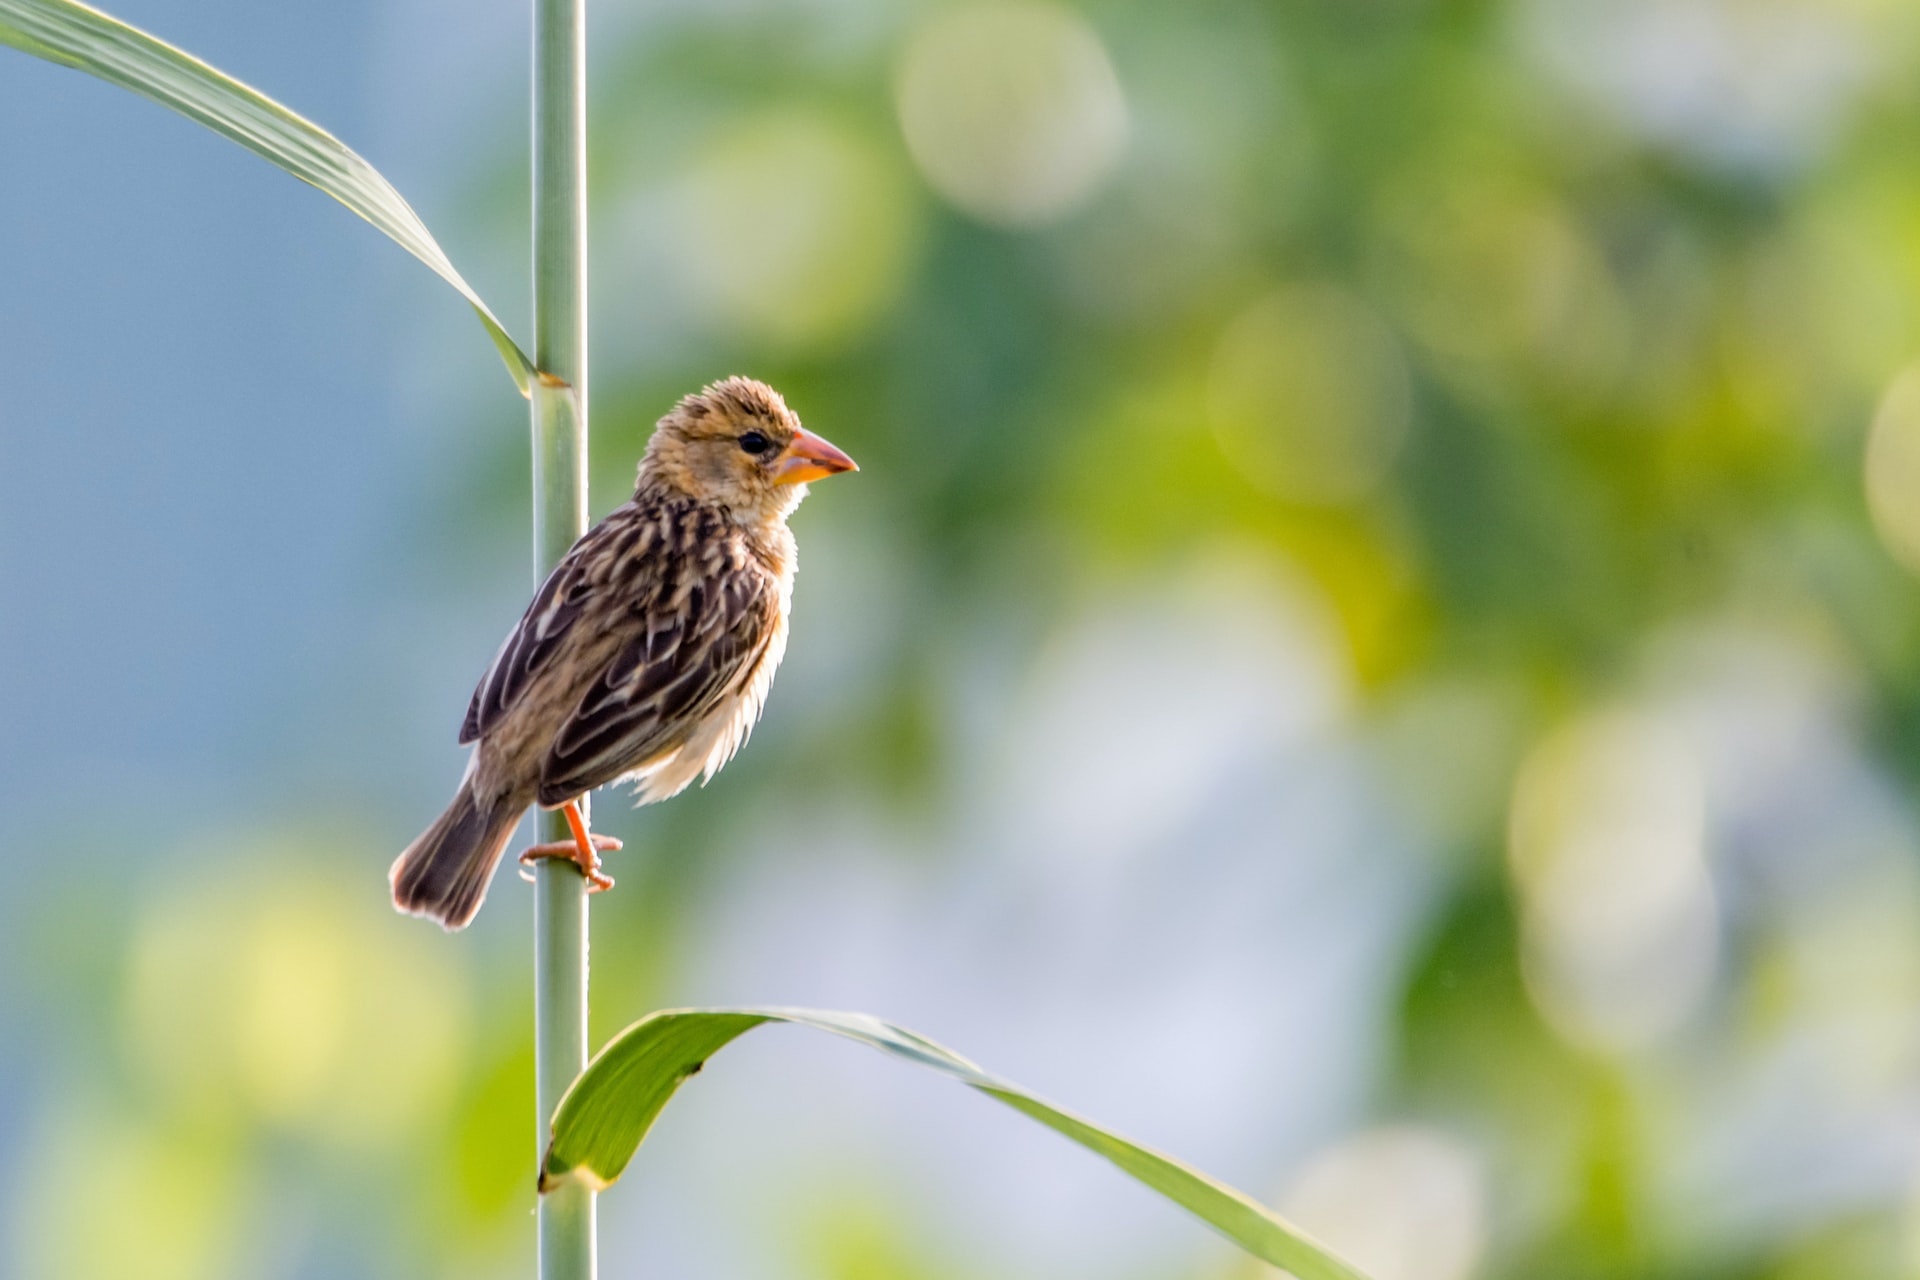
(647,653)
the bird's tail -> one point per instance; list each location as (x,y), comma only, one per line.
(444,874)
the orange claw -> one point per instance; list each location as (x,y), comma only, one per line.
(582,851)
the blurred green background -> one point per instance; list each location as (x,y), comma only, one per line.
(1374,646)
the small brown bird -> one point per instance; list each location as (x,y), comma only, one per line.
(647,653)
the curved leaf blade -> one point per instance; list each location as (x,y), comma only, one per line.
(606,1114)
(74,35)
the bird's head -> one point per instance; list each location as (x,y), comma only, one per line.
(737,444)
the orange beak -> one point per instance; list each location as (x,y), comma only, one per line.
(810,458)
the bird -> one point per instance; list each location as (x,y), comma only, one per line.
(646,655)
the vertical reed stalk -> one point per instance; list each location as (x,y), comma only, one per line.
(559,517)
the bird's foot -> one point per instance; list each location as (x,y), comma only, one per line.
(583,851)
(598,881)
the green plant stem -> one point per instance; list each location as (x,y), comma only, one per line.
(559,517)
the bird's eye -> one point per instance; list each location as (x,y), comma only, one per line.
(754,442)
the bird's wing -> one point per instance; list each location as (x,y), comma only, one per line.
(543,628)
(686,656)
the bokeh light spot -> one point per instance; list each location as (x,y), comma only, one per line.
(1503,288)
(1606,846)
(1747,85)
(290,1016)
(1308,395)
(797,230)
(1893,469)
(1012,111)
(1846,971)
(278,999)
(1406,1202)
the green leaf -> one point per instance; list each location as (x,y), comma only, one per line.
(76,36)
(606,1114)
